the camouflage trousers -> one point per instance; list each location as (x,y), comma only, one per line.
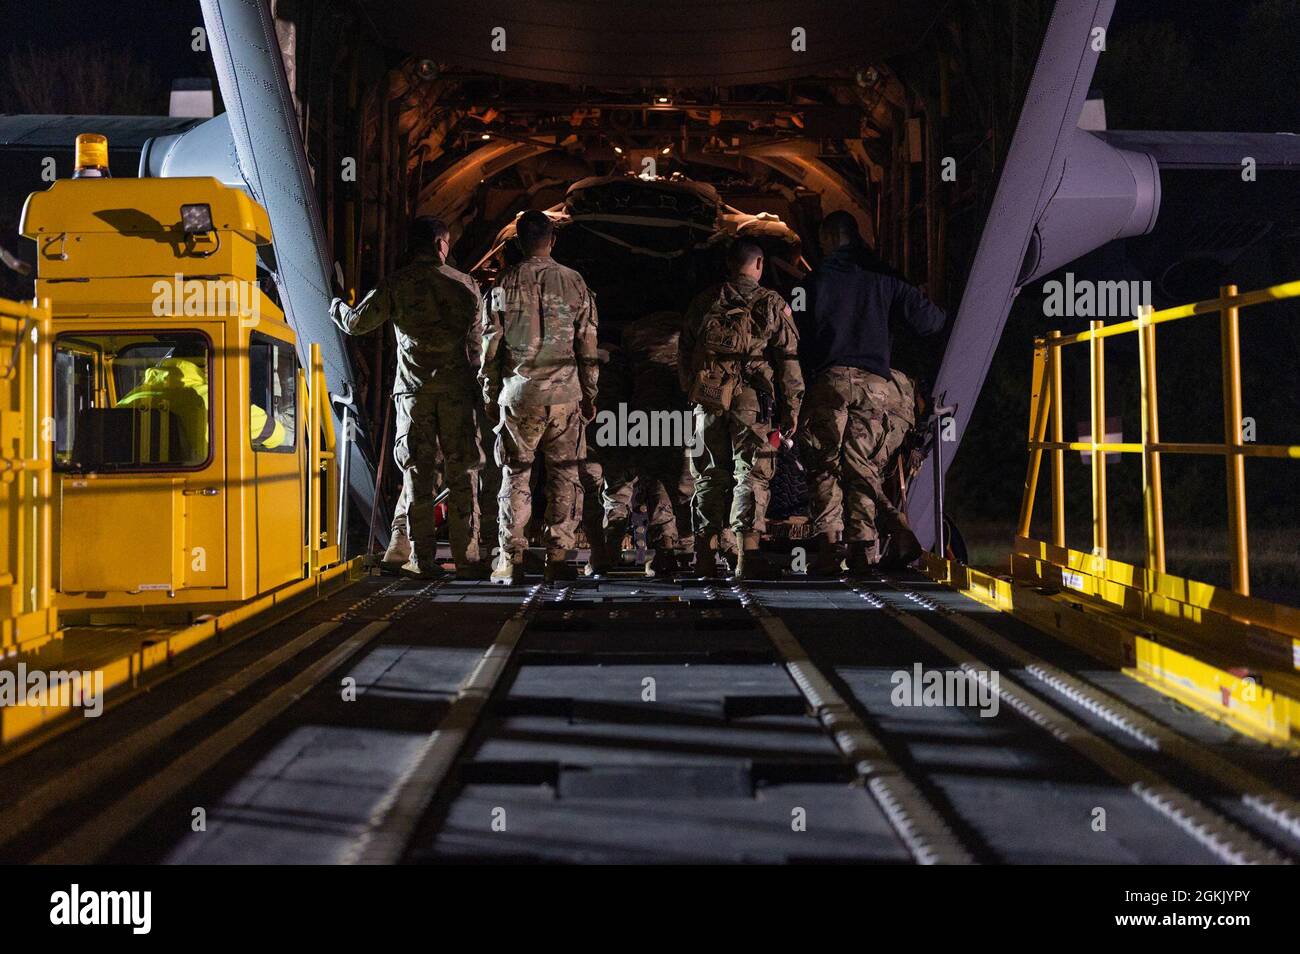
(667,489)
(554,431)
(487,486)
(736,462)
(404,498)
(607,487)
(608,491)
(844,433)
(427,423)
(900,419)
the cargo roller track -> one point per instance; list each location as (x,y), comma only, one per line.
(629,720)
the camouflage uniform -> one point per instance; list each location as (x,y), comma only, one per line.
(668,505)
(539,362)
(434,309)
(900,419)
(651,346)
(606,473)
(488,483)
(853,423)
(737,458)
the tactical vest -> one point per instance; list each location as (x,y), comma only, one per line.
(722,346)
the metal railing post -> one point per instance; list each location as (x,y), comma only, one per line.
(1232,438)
(1037,434)
(1152,488)
(341,457)
(1058,436)
(939,548)
(43,454)
(1100,530)
(940,415)
(315,475)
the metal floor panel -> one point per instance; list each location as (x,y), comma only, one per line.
(516,724)
(842,824)
(1024,797)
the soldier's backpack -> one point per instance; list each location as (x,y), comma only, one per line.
(721,347)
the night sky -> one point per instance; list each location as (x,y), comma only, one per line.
(157,30)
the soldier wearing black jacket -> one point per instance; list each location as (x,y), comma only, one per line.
(845,354)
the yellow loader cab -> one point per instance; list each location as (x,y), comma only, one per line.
(180,415)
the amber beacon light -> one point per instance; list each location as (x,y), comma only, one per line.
(92,156)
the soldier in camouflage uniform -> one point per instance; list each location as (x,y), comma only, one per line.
(488,485)
(606,472)
(899,545)
(434,308)
(738,456)
(842,441)
(399,543)
(540,367)
(855,415)
(651,345)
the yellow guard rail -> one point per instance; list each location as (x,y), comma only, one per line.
(1116,582)
(1046,404)
(27,614)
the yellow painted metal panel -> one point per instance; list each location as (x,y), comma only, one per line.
(146,205)
(146,659)
(129,533)
(204,529)
(1259,703)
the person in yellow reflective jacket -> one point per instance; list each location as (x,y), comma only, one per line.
(266,432)
(180,385)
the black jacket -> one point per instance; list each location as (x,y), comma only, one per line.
(846,321)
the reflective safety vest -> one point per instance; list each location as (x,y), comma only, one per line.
(180,385)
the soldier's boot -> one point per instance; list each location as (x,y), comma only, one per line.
(901,550)
(706,557)
(398,553)
(729,548)
(508,570)
(663,566)
(558,568)
(752,563)
(615,536)
(861,560)
(599,563)
(415,570)
(828,557)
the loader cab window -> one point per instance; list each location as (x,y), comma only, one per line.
(272,384)
(131,401)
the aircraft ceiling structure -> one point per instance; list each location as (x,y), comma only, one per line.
(1045,192)
(631,43)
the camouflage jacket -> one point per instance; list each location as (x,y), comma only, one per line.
(772,369)
(539,336)
(434,309)
(650,346)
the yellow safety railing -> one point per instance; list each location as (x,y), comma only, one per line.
(1046,413)
(27,614)
(323,472)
